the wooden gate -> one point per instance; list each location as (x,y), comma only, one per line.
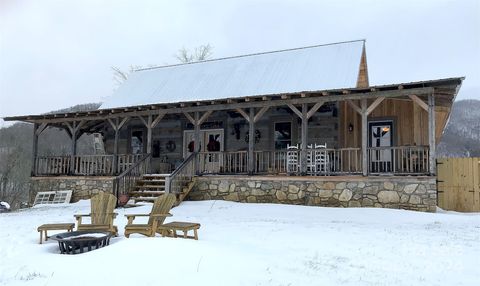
(459,184)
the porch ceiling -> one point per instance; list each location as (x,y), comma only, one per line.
(445,91)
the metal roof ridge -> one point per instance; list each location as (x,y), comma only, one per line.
(250,55)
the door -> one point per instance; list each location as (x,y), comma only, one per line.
(211,142)
(380,136)
(213,146)
(136,142)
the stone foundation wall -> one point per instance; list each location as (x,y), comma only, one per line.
(411,193)
(83,187)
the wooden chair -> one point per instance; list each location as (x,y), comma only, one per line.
(160,209)
(102,214)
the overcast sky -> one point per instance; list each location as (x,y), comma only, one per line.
(55,54)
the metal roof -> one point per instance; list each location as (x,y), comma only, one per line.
(321,67)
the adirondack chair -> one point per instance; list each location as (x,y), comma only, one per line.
(101,216)
(160,209)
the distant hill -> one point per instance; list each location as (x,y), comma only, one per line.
(461,137)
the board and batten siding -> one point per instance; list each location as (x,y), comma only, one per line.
(410,122)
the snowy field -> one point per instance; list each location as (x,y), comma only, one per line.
(254,244)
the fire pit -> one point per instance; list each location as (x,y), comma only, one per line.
(81,241)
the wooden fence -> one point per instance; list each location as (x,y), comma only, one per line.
(459,184)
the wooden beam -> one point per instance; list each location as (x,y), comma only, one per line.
(272,103)
(418,101)
(149,134)
(303,153)
(196,143)
(251,141)
(204,117)
(314,109)
(260,113)
(364,115)
(355,107)
(124,120)
(190,118)
(243,113)
(374,105)
(294,109)
(431,134)
(144,121)
(41,128)
(35,148)
(157,119)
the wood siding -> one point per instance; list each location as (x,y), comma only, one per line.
(410,122)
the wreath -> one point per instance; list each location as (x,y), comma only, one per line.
(258,135)
(170,146)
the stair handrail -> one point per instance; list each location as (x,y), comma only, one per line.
(128,178)
(178,179)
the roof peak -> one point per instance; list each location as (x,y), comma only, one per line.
(252,54)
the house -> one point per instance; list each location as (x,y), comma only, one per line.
(375,144)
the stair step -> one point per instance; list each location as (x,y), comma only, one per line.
(144,199)
(150,187)
(155,175)
(138,193)
(152,180)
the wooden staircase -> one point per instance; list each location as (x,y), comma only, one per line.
(151,186)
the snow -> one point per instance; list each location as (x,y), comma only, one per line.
(253,244)
(313,68)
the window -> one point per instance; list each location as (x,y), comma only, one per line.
(283,135)
(59,197)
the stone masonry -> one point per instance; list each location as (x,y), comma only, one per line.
(411,193)
(83,187)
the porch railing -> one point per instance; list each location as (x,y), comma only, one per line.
(400,160)
(84,165)
(176,181)
(127,180)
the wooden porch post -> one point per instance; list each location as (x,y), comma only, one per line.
(251,141)
(117,125)
(73,132)
(364,115)
(303,153)
(197,141)
(115,147)
(37,130)
(35,149)
(431,133)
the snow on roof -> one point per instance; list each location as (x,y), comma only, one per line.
(312,68)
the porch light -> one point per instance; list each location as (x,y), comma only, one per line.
(350,127)
(386,129)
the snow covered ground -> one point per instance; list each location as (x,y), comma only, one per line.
(254,244)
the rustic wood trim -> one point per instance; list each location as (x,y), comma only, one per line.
(260,113)
(190,118)
(364,115)
(243,113)
(157,119)
(272,103)
(354,106)
(304,138)
(418,101)
(41,128)
(294,109)
(204,117)
(374,105)
(143,120)
(124,120)
(251,140)
(314,109)
(431,134)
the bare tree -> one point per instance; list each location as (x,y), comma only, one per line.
(200,53)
